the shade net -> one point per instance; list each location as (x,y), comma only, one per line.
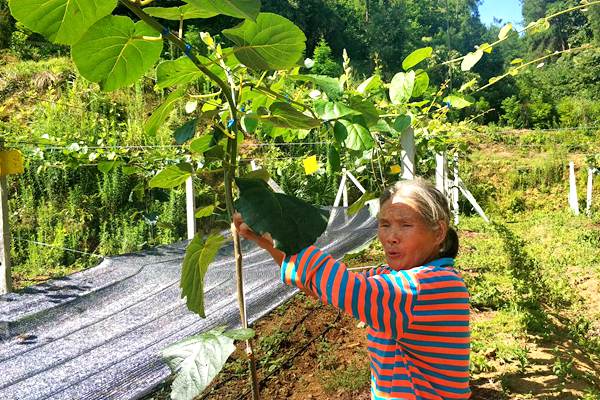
(97,334)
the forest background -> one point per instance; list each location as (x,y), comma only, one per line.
(62,121)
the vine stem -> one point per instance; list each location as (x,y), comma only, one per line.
(229,171)
(548,18)
(537,60)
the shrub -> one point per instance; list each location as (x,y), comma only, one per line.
(576,111)
(324,63)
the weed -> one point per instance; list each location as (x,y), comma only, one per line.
(271,348)
(563,366)
(591,394)
(326,356)
(350,378)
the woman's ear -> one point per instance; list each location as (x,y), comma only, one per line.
(441,232)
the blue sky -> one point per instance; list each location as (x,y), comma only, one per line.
(507,10)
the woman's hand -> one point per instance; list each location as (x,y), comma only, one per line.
(265,241)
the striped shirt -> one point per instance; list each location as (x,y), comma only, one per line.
(418,321)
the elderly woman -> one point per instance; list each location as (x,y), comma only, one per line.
(416,306)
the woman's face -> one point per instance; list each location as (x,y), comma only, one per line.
(408,241)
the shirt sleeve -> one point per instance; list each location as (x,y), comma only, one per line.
(382,301)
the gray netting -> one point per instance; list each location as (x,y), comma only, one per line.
(97,334)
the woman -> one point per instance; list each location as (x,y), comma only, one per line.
(416,307)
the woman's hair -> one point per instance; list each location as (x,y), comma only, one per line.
(430,203)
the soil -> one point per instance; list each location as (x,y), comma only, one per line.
(310,351)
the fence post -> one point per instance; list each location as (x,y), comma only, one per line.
(190,205)
(5,274)
(590,184)
(469,196)
(573,202)
(345,190)
(441,173)
(407,154)
(455,191)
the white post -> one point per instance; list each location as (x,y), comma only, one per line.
(345,192)
(190,205)
(356,182)
(573,202)
(338,196)
(455,191)
(5,275)
(590,183)
(407,155)
(469,196)
(441,173)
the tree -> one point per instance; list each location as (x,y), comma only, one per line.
(324,63)
(594,20)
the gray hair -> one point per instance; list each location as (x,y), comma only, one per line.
(430,203)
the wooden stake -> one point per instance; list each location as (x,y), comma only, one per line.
(5,274)
(590,183)
(573,201)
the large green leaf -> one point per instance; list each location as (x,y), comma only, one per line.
(366,107)
(360,203)
(416,57)
(457,102)
(160,115)
(185,132)
(283,115)
(370,84)
(198,256)
(358,136)
(183,70)
(541,25)
(114,52)
(187,11)
(421,83)
(202,144)
(205,211)
(401,87)
(196,361)
(176,72)
(471,59)
(331,86)
(61,21)
(247,9)
(272,42)
(171,176)
(505,31)
(333,110)
(293,223)
(241,334)
(333,160)
(402,123)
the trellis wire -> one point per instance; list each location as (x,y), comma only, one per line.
(56,247)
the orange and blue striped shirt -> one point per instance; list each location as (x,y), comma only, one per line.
(418,321)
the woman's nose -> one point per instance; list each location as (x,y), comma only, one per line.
(393,239)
